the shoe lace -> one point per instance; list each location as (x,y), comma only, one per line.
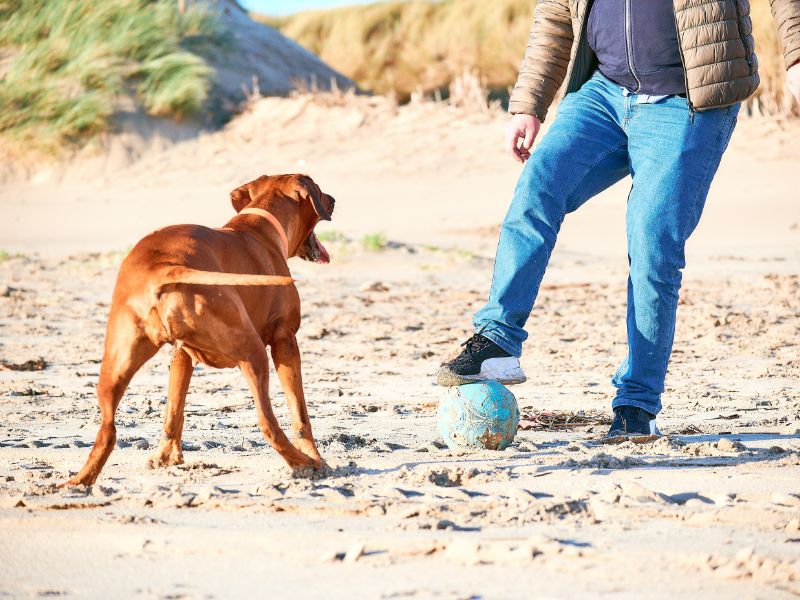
(476,343)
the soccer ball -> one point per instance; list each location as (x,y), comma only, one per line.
(478,415)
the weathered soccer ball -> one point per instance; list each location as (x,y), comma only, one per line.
(478,415)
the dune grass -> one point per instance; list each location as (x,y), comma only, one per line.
(68,62)
(398,46)
(772,96)
(374,242)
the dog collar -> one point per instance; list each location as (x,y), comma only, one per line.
(272,219)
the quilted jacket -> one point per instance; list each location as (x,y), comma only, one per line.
(715,39)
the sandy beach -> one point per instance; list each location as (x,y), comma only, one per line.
(711,510)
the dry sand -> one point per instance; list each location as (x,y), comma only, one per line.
(710,511)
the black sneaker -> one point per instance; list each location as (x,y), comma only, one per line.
(481,360)
(632,422)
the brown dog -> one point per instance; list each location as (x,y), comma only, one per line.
(203,290)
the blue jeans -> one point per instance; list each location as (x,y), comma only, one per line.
(599,136)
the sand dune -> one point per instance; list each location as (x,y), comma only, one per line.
(278,63)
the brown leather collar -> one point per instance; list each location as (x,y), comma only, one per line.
(273,220)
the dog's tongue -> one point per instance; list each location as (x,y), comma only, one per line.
(324,257)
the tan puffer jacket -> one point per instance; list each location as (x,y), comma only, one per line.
(716,42)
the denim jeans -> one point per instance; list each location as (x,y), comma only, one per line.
(599,136)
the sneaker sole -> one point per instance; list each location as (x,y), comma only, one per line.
(446,378)
(615,437)
(636,438)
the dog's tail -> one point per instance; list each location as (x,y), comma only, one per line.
(174,275)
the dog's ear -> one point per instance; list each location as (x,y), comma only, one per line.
(245,194)
(306,188)
(240,197)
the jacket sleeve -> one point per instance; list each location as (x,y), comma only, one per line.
(787,15)
(547,58)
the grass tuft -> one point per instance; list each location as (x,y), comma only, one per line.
(374,242)
(70,62)
(6,256)
(331,236)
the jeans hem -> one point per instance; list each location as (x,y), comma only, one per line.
(498,339)
(648,406)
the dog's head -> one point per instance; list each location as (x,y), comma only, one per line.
(297,202)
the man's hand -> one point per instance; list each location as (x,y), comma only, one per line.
(520,134)
(793,80)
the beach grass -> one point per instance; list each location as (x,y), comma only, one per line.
(66,63)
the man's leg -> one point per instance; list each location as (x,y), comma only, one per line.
(583,153)
(673,160)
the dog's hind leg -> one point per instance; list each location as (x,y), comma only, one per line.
(256,370)
(126,350)
(180,373)
(286,356)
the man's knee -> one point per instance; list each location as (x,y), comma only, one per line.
(659,266)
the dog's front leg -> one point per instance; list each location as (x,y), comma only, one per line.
(286,356)
(255,370)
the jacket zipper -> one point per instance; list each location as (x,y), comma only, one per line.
(747,56)
(629,45)
(683,64)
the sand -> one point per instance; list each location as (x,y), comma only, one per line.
(710,511)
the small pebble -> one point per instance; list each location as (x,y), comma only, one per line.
(521,494)
(695,503)
(783,499)
(744,555)
(331,556)
(374,286)
(354,552)
(728,445)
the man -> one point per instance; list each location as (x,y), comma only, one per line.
(653,91)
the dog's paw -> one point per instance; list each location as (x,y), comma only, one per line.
(318,469)
(168,454)
(160,462)
(308,448)
(78,480)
